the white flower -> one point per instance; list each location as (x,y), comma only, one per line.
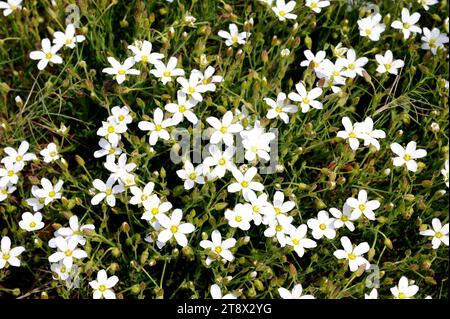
(166,72)
(297,239)
(406,156)
(68,38)
(103,285)
(20,156)
(283,9)
(107,191)
(141,196)
(333,73)
(256,143)
(208,79)
(108,149)
(119,70)
(121,115)
(372,295)
(296,293)
(5,191)
(280,227)
(313,60)
(112,131)
(67,251)
(233,37)
(240,216)
(352,133)
(219,247)
(74,231)
(306,99)
(362,206)
(31,222)
(280,108)
(9,256)
(121,170)
(157,127)
(354,66)
(224,129)
(37,202)
(49,192)
(368,134)
(182,109)
(426,3)
(280,206)
(191,175)
(387,63)
(407,25)
(46,55)
(260,207)
(50,153)
(445,173)
(371,27)
(317,5)
(433,40)
(343,218)
(321,226)
(439,233)
(193,87)
(173,228)
(216,293)
(60,270)
(404,290)
(154,208)
(353,255)
(9,174)
(9,6)
(222,161)
(143,53)
(245,182)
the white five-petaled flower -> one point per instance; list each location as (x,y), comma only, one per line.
(313,60)
(407,24)
(166,72)
(296,293)
(362,206)
(368,134)
(141,196)
(143,53)
(262,210)
(47,54)
(154,208)
(283,10)
(9,6)
(31,222)
(108,149)
(219,247)
(387,63)
(371,27)
(216,293)
(173,228)
(9,174)
(240,216)
(353,254)
(234,37)
(120,71)
(157,127)
(67,38)
(352,133)
(74,231)
(67,251)
(191,174)
(280,227)
(407,156)
(280,108)
(208,78)
(306,99)
(256,142)
(120,170)
(433,40)
(182,109)
(112,131)
(50,153)
(9,256)
(353,65)
(445,173)
(343,218)
(297,239)
(49,191)
(107,190)
(5,191)
(321,226)
(193,87)
(224,130)
(317,5)
(222,161)
(439,233)
(245,183)
(403,290)
(103,285)
(20,156)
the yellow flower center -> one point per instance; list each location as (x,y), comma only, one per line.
(192,176)
(53,154)
(155,210)
(69,41)
(144,59)
(352,135)
(244,184)
(438,234)
(406,25)
(218,249)
(32,225)
(63,269)
(102,288)
(191,89)
(6,256)
(407,157)
(295,241)
(351,256)
(432,43)
(10,173)
(108,191)
(362,207)
(158,127)
(111,151)
(336,73)
(322,226)
(344,218)
(234,38)
(223,130)
(182,108)
(368,31)
(19,158)
(315,64)
(255,209)
(121,72)
(278,228)
(144,198)
(51,194)
(4,191)
(121,117)
(306,100)
(111,129)
(174,229)
(351,66)
(222,162)
(238,219)
(401,295)
(277,211)
(278,109)
(166,73)
(68,253)
(282,13)
(387,66)
(48,56)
